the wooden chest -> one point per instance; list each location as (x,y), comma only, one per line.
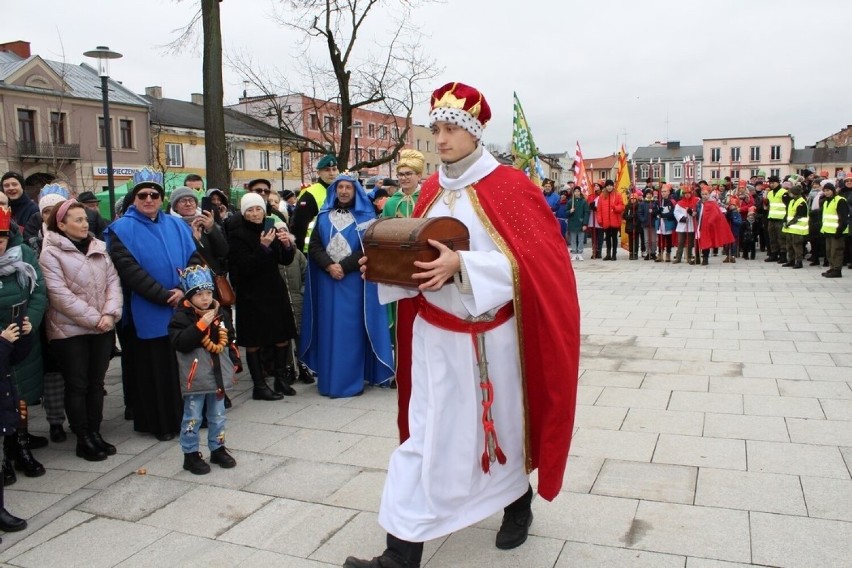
(392,246)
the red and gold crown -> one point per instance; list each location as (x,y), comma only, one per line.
(462,97)
(5,221)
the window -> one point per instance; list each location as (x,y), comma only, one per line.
(715,174)
(57,127)
(26,125)
(735,153)
(264,159)
(239,159)
(313,122)
(383,132)
(125,133)
(396,132)
(428,168)
(775,172)
(643,171)
(371,130)
(102,132)
(677,171)
(754,154)
(418,144)
(775,154)
(286,164)
(328,123)
(657,169)
(174,155)
(735,174)
(754,172)
(371,154)
(428,144)
(715,154)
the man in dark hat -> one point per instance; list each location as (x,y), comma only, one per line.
(97,223)
(89,200)
(311,199)
(776,202)
(390,185)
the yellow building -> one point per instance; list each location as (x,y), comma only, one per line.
(255,149)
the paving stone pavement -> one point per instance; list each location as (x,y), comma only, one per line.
(714,429)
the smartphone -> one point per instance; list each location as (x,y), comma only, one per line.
(19,312)
(268,224)
(207,204)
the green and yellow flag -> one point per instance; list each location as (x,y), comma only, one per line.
(523,147)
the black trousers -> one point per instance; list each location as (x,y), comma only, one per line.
(611,238)
(84,360)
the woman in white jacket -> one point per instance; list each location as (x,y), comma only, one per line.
(85,302)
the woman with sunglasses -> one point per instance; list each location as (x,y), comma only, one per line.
(148,247)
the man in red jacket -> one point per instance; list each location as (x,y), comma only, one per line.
(608,214)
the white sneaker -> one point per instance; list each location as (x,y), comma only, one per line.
(579,257)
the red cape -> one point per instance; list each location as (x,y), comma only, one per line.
(713,227)
(547,315)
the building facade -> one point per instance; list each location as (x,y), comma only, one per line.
(52,124)
(745,157)
(255,149)
(424,142)
(374,134)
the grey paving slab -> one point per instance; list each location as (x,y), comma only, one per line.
(611,378)
(820,432)
(30,503)
(707,402)
(664,421)
(660,381)
(815,389)
(596,556)
(322,417)
(370,452)
(633,398)
(692,531)
(221,509)
(594,519)
(374,423)
(581,473)
(706,563)
(779,540)
(698,451)
(265,558)
(750,491)
(588,395)
(317,445)
(828,498)
(743,385)
(135,497)
(177,549)
(540,552)
(775,371)
(74,547)
(304,480)
(796,459)
(254,436)
(787,406)
(744,427)
(837,409)
(363,492)
(631,446)
(603,417)
(648,481)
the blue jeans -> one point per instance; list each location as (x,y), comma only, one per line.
(575,241)
(192,407)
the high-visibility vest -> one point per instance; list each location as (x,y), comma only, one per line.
(830,219)
(800,227)
(776,204)
(319,192)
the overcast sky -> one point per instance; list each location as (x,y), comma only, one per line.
(588,71)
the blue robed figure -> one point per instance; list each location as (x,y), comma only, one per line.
(344,337)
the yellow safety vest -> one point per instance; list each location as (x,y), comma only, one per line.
(800,227)
(830,219)
(776,204)
(319,192)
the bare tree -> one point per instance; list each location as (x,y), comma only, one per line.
(355,74)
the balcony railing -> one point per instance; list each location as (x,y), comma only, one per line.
(47,151)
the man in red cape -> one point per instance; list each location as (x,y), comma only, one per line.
(500,322)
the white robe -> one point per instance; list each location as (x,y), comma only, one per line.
(435,483)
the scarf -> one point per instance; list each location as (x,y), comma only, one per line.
(12,262)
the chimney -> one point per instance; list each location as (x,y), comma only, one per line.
(155,92)
(197,99)
(20,48)
(673,144)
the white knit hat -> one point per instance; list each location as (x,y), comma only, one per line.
(49,200)
(250,200)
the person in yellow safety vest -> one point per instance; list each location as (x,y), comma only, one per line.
(310,200)
(795,225)
(835,226)
(776,203)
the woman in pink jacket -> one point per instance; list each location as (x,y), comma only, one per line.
(610,206)
(85,298)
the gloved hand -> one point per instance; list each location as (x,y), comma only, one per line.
(593,206)
(689,211)
(683,219)
(839,232)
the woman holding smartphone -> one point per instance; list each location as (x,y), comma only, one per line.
(263,313)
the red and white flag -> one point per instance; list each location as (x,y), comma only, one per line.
(580,177)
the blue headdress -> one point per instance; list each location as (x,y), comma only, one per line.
(362,207)
(147,177)
(195,278)
(54,188)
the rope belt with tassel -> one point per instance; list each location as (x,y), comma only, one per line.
(476,328)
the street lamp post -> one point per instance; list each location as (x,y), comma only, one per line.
(103,55)
(277,113)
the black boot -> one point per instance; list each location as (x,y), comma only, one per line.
(87,449)
(221,457)
(305,376)
(9,522)
(399,554)
(194,463)
(57,433)
(107,448)
(770,258)
(9,477)
(797,264)
(517,518)
(782,258)
(283,371)
(23,457)
(261,390)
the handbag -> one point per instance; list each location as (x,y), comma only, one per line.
(224,292)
